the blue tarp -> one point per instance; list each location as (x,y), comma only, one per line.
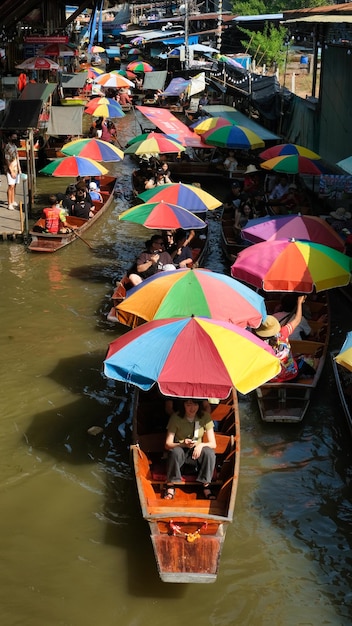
(176,86)
(113,51)
(178,41)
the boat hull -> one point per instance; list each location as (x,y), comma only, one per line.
(50,242)
(343,379)
(187,532)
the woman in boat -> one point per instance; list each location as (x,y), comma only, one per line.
(180,253)
(184,443)
(244,213)
(277,337)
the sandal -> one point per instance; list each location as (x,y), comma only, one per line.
(169,492)
(208,494)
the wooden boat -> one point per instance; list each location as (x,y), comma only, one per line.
(230,243)
(289,401)
(49,242)
(343,379)
(188,531)
(199,247)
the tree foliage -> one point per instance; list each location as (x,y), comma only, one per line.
(257,7)
(268,47)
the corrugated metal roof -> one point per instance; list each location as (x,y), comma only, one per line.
(322,19)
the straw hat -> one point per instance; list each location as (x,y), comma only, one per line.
(251,169)
(341,214)
(268,328)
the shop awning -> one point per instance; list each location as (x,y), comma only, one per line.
(38,91)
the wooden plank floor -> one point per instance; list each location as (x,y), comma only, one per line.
(11,222)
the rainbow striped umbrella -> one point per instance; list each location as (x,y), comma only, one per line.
(134,51)
(139,66)
(229,61)
(163,352)
(210,123)
(95,149)
(162,215)
(295,164)
(125,73)
(113,80)
(233,137)
(104,107)
(155,143)
(344,357)
(286,149)
(197,200)
(74,166)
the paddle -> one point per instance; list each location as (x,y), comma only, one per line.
(81,238)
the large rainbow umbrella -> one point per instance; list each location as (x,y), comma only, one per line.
(195,199)
(125,73)
(284,149)
(306,227)
(134,51)
(344,357)
(93,72)
(290,265)
(73,166)
(229,61)
(96,149)
(113,80)
(189,292)
(209,123)
(233,137)
(139,67)
(295,164)
(191,357)
(104,107)
(162,215)
(155,143)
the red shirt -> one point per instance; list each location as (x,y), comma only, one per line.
(53,217)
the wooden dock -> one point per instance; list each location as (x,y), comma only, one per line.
(12,223)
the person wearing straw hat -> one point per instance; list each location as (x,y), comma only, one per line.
(251,180)
(277,337)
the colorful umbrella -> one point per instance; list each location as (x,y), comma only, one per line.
(138,138)
(155,143)
(284,149)
(162,215)
(113,80)
(125,73)
(38,63)
(294,164)
(139,66)
(125,46)
(74,166)
(58,50)
(93,72)
(209,124)
(290,265)
(97,49)
(344,357)
(191,357)
(195,199)
(306,227)
(233,137)
(96,149)
(189,292)
(134,51)
(104,107)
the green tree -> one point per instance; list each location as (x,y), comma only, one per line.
(269,47)
(257,7)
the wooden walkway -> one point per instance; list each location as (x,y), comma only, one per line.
(12,223)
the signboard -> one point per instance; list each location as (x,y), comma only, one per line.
(169,124)
(43,40)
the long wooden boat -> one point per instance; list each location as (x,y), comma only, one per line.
(199,247)
(49,242)
(188,531)
(289,401)
(343,379)
(230,243)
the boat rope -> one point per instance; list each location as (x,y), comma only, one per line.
(190,537)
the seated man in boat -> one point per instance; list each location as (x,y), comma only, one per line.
(230,164)
(278,338)
(94,192)
(55,217)
(154,259)
(184,442)
(180,253)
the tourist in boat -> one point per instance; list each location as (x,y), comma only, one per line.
(235,196)
(286,313)
(160,178)
(12,169)
(251,181)
(184,443)
(69,199)
(125,98)
(169,241)
(94,192)
(55,217)
(152,260)
(230,164)
(181,253)
(278,194)
(277,337)
(243,213)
